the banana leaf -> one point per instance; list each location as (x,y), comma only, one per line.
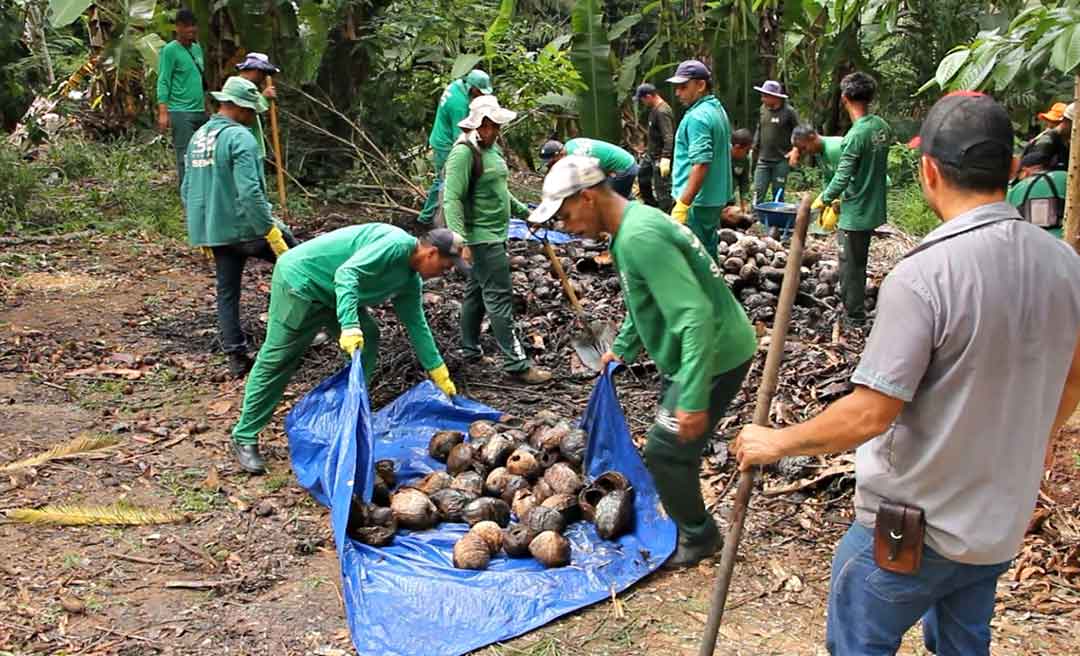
(498,30)
(66,12)
(591,55)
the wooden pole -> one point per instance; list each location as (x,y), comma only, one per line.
(765,392)
(1072,187)
(276,138)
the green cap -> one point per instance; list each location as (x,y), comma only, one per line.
(243,93)
(478,79)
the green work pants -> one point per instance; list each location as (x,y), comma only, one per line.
(290,329)
(434,196)
(704,223)
(184,125)
(769,177)
(854,253)
(490,291)
(676,466)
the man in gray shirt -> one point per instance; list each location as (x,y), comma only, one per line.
(962,323)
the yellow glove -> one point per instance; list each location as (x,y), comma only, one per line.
(440,375)
(830,216)
(276,241)
(665,167)
(681,212)
(207,252)
(351,339)
(818,204)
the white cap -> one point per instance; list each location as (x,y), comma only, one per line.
(486,107)
(567,177)
(1070,112)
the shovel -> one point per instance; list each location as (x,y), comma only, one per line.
(596,337)
(765,392)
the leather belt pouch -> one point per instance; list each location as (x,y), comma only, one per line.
(898,537)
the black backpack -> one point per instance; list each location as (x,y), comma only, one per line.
(1043,212)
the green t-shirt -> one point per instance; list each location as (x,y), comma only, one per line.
(829,157)
(357,267)
(704,137)
(224,193)
(860,176)
(483,217)
(453,108)
(740,175)
(1041,185)
(682,312)
(613,159)
(180,77)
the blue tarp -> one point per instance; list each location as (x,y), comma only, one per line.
(519,230)
(408,598)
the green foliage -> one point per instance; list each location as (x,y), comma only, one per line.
(909,212)
(499,27)
(591,54)
(19,183)
(903,164)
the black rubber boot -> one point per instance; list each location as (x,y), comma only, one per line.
(239,364)
(249,458)
(689,554)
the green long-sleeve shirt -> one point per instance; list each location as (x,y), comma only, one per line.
(453,107)
(682,312)
(704,137)
(483,217)
(356,267)
(612,158)
(860,176)
(829,157)
(180,77)
(224,193)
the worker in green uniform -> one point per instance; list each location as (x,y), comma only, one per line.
(822,152)
(225,205)
(330,281)
(1039,192)
(616,162)
(453,108)
(772,141)
(861,183)
(654,177)
(679,309)
(701,177)
(741,143)
(181,87)
(477,204)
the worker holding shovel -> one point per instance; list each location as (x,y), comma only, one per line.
(683,314)
(330,281)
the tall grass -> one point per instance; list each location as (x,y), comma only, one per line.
(909,212)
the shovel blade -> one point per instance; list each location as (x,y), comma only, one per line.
(592,343)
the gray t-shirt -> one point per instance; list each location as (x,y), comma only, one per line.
(976,333)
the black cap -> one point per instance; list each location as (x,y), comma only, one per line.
(450,245)
(967,129)
(550,149)
(644,90)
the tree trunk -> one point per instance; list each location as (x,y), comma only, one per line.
(1072,187)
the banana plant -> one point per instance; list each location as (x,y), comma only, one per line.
(591,56)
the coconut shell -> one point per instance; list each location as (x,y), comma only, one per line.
(523,463)
(542,518)
(516,539)
(380,493)
(384,469)
(469,482)
(472,552)
(451,504)
(588,500)
(515,435)
(563,479)
(380,517)
(610,481)
(547,457)
(549,437)
(542,490)
(566,504)
(615,514)
(433,482)
(482,430)
(497,450)
(491,533)
(496,481)
(522,503)
(551,549)
(513,486)
(413,509)
(487,509)
(441,443)
(460,459)
(541,419)
(572,446)
(374,536)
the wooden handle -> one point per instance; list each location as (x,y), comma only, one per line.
(276,140)
(563,279)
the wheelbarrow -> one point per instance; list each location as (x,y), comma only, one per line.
(777,216)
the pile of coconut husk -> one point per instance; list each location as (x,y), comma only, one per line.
(525,471)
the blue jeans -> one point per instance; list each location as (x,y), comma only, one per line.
(623,183)
(870,609)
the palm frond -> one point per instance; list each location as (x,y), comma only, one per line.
(117,514)
(70,449)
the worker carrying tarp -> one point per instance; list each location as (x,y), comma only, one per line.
(331,281)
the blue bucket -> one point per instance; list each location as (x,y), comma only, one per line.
(774,214)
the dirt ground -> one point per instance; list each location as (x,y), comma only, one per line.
(114,338)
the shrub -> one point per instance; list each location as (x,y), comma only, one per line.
(19,182)
(909,212)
